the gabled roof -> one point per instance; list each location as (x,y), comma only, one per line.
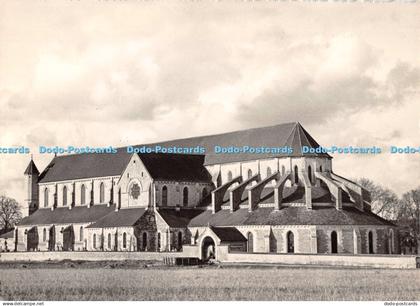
(228,234)
(121,218)
(31,169)
(176,167)
(78,166)
(287,134)
(86,165)
(178,218)
(289,216)
(64,215)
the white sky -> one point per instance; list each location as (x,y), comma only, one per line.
(117,73)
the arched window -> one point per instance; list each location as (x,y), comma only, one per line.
(81,234)
(249,173)
(250,243)
(334,242)
(164,196)
(268,171)
(370,242)
(64,195)
(185,196)
(101,193)
(204,193)
(310,174)
(179,240)
(83,195)
(283,170)
(290,242)
(119,197)
(144,241)
(229,176)
(46,194)
(158,241)
(124,240)
(109,240)
(94,241)
(44,235)
(296,175)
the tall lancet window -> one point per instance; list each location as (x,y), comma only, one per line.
(296,175)
(185,196)
(83,195)
(249,173)
(310,174)
(101,193)
(64,195)
(46,195)
(124,240)
(268,171)
(164,196)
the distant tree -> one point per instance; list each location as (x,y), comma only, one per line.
(409,210)
(384,202)
(10,213)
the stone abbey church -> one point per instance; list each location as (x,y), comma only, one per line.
(261,203)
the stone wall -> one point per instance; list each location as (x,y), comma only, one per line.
(89,256)
(371,261)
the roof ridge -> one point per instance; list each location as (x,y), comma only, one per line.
(291,134)
(301,131)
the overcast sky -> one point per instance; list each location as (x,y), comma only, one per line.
(118,73)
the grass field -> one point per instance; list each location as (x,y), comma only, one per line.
(134,281)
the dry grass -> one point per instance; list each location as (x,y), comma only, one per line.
(131,282)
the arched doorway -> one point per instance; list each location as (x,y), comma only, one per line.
(68,239)
(32,239)
(370,242)
(334,242)
(208,249)
(51,240)
(250,243)
(290,242)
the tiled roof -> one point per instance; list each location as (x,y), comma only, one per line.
(31,169)
(121,218)
(64,215)
(179,218)
(77,166)
(176,167)
(287,134)
(228,234)
(288,216)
